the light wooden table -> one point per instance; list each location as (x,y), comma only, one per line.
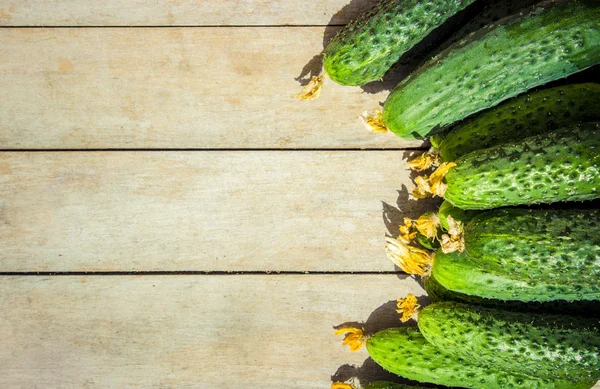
(170,216)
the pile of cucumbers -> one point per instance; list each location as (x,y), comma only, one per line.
(511,259)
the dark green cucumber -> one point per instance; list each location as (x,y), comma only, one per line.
(405,352)
(552,346)
(492,13)
(437,293)
(550,41)
(457,273)
(366,48)
(459,215)
(562,165)
(477,16)
(519,118)
(428,243)
(540,244)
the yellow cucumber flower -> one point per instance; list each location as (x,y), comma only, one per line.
(410,259)
(374,122)
(408,307)
(432,185)
(355,337)
(428,225)
(454,240)
(342,385)
(312,90)
(425,161)
(407,234)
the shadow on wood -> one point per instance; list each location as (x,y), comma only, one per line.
(406,205)
(385,316)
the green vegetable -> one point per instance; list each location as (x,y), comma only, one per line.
(459,215)
(405,352)
(437,293)
(366,48)
(552,346)
(562,165)
(550,41)
(428,243)
(540,244)
(527,115)
(458,273)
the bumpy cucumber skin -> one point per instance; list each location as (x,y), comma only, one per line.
(500,61)
(552,346)
(437,293)
(519,118)
(405,352)
(541,244)
(457,273)
(366,48)
(446,209)
(562,165)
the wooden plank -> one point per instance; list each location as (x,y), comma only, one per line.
(178,12)
(173,88)
(203,211)
(217,332)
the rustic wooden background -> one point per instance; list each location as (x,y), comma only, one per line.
(170,216)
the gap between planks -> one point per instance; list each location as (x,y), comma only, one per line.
(416,148)
(202,273)
(187,26)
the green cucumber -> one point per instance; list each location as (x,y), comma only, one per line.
(437,293)
(537,244)
(428,243)
(552,346)
(549,41)
(459,215)
(519,118)
(365,49)
(562,165)
(457,273)
(405,352)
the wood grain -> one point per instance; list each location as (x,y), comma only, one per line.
(217,332)
(201,211)
(173,88)
(179,12)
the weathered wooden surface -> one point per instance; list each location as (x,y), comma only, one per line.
(217,332)
(203,211)
(173,88)
(179,12)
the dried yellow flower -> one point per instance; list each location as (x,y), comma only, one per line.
(407,234)
(425,161)
(355,337)
(432,185)
(410,259)
(422,188)
(374,122)
(312,90)
(342,385)
(408,307)
(438,188)
(428,225)
(454,240)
